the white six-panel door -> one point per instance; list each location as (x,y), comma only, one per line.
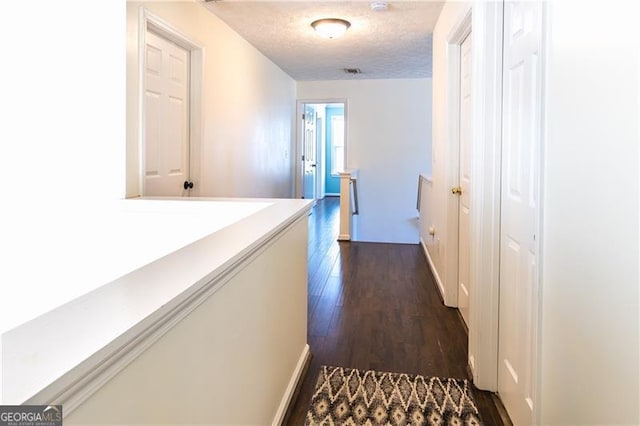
(464,209)
(310,150)
(522,76)
(166,117)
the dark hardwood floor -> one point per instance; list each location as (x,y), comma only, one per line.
(376,306)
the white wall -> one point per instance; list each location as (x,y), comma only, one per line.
(248,108)
(444,216)
(589,339)
(63,138)
(389,142)
(430,242)
(590,348)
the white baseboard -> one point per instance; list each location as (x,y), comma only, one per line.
(291,387)
(433,269)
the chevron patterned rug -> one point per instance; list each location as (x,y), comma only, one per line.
(345,396)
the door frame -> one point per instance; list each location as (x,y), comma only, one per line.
(485,221)
(299,148)
(455,38)
(164,29)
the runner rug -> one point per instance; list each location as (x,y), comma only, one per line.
(345,396)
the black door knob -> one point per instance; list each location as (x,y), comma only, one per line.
(187,184)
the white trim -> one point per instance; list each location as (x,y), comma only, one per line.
(434,271)
(536,374)
(485,219)
(196,125)
(461,30)
(142,26)
(296,378)
(164,29)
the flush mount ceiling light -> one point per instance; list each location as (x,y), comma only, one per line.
(330,27)
(379,6)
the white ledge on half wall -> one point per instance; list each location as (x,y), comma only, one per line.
(183,248)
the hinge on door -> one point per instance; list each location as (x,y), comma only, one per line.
(304,116)
(303,158)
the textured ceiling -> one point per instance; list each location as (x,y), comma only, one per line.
(391,44)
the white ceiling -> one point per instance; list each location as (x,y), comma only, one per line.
(391,44)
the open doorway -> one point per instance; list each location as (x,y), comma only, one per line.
(322,148)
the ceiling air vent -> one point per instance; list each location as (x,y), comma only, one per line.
(352,70)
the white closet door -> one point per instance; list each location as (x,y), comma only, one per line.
(522,100)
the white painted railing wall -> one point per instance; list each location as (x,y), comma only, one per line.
(208,326)
(235,359)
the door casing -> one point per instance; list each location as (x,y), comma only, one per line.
(484,241)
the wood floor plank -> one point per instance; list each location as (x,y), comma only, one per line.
(376,306)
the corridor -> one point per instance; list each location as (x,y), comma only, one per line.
(376,306)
